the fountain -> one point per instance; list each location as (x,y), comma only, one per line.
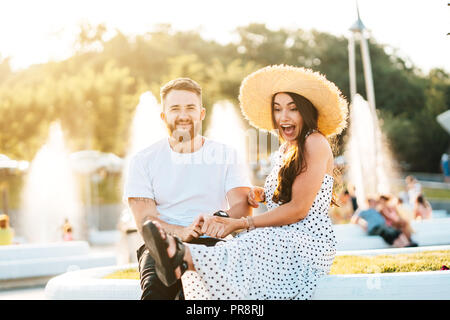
(226,127)
(50,193)
(147,126)
(49,197)
(253,146)
(370,164)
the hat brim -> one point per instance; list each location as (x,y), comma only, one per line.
(258,88)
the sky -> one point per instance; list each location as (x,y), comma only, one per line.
(40,31)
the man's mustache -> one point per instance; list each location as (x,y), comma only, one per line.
(184,122)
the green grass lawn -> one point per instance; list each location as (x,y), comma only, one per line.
(131,274)
(429,193)
(411,262)
(437,194)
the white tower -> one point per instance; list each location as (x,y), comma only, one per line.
(360,32)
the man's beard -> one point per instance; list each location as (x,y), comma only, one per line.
(184,135)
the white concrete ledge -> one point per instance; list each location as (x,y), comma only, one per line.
(41,250)
(439,214)
(52,266)
(430,285)
(49,259)
(88,285)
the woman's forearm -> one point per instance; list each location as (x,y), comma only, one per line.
(285,214)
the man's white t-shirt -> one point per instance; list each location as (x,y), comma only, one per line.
(184,185)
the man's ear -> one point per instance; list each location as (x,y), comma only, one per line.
(202,114)
(163,116)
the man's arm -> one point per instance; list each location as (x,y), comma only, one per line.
(356,219)
(144,209)
(237,199)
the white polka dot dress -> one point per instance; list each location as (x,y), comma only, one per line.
(268,263)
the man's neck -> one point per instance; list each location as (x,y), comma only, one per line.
(186,146)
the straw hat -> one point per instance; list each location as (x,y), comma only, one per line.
(258,88)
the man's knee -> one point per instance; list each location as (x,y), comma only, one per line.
(152,288)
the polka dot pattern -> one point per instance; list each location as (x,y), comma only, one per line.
(268,263)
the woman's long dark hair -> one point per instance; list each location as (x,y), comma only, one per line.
(295,164)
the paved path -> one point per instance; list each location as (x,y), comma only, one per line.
(35,293)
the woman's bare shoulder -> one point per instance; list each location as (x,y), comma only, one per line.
(317,143)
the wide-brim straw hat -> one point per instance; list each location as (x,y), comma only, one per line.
(258,88)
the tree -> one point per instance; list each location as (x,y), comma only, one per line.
(94,92)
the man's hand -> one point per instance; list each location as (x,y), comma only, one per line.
(219,227)
(255,195)
(192,231)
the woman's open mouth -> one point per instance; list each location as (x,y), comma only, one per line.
(288,129)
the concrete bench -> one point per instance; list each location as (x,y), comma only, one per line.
(89,285)
(38,250)
(48,259)
(439,214)
(82,285)
(431,285)
(426,233)
(432,225)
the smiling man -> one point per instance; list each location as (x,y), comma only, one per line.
(180,177)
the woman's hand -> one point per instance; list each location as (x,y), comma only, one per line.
(219,227)
(255,195)
(191,232)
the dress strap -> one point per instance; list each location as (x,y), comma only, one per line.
(310,132)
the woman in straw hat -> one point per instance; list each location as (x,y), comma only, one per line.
(289,247)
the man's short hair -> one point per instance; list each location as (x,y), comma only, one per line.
(181,84)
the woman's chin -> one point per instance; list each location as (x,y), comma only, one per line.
(289,139)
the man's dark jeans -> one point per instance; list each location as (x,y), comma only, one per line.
(152,287)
